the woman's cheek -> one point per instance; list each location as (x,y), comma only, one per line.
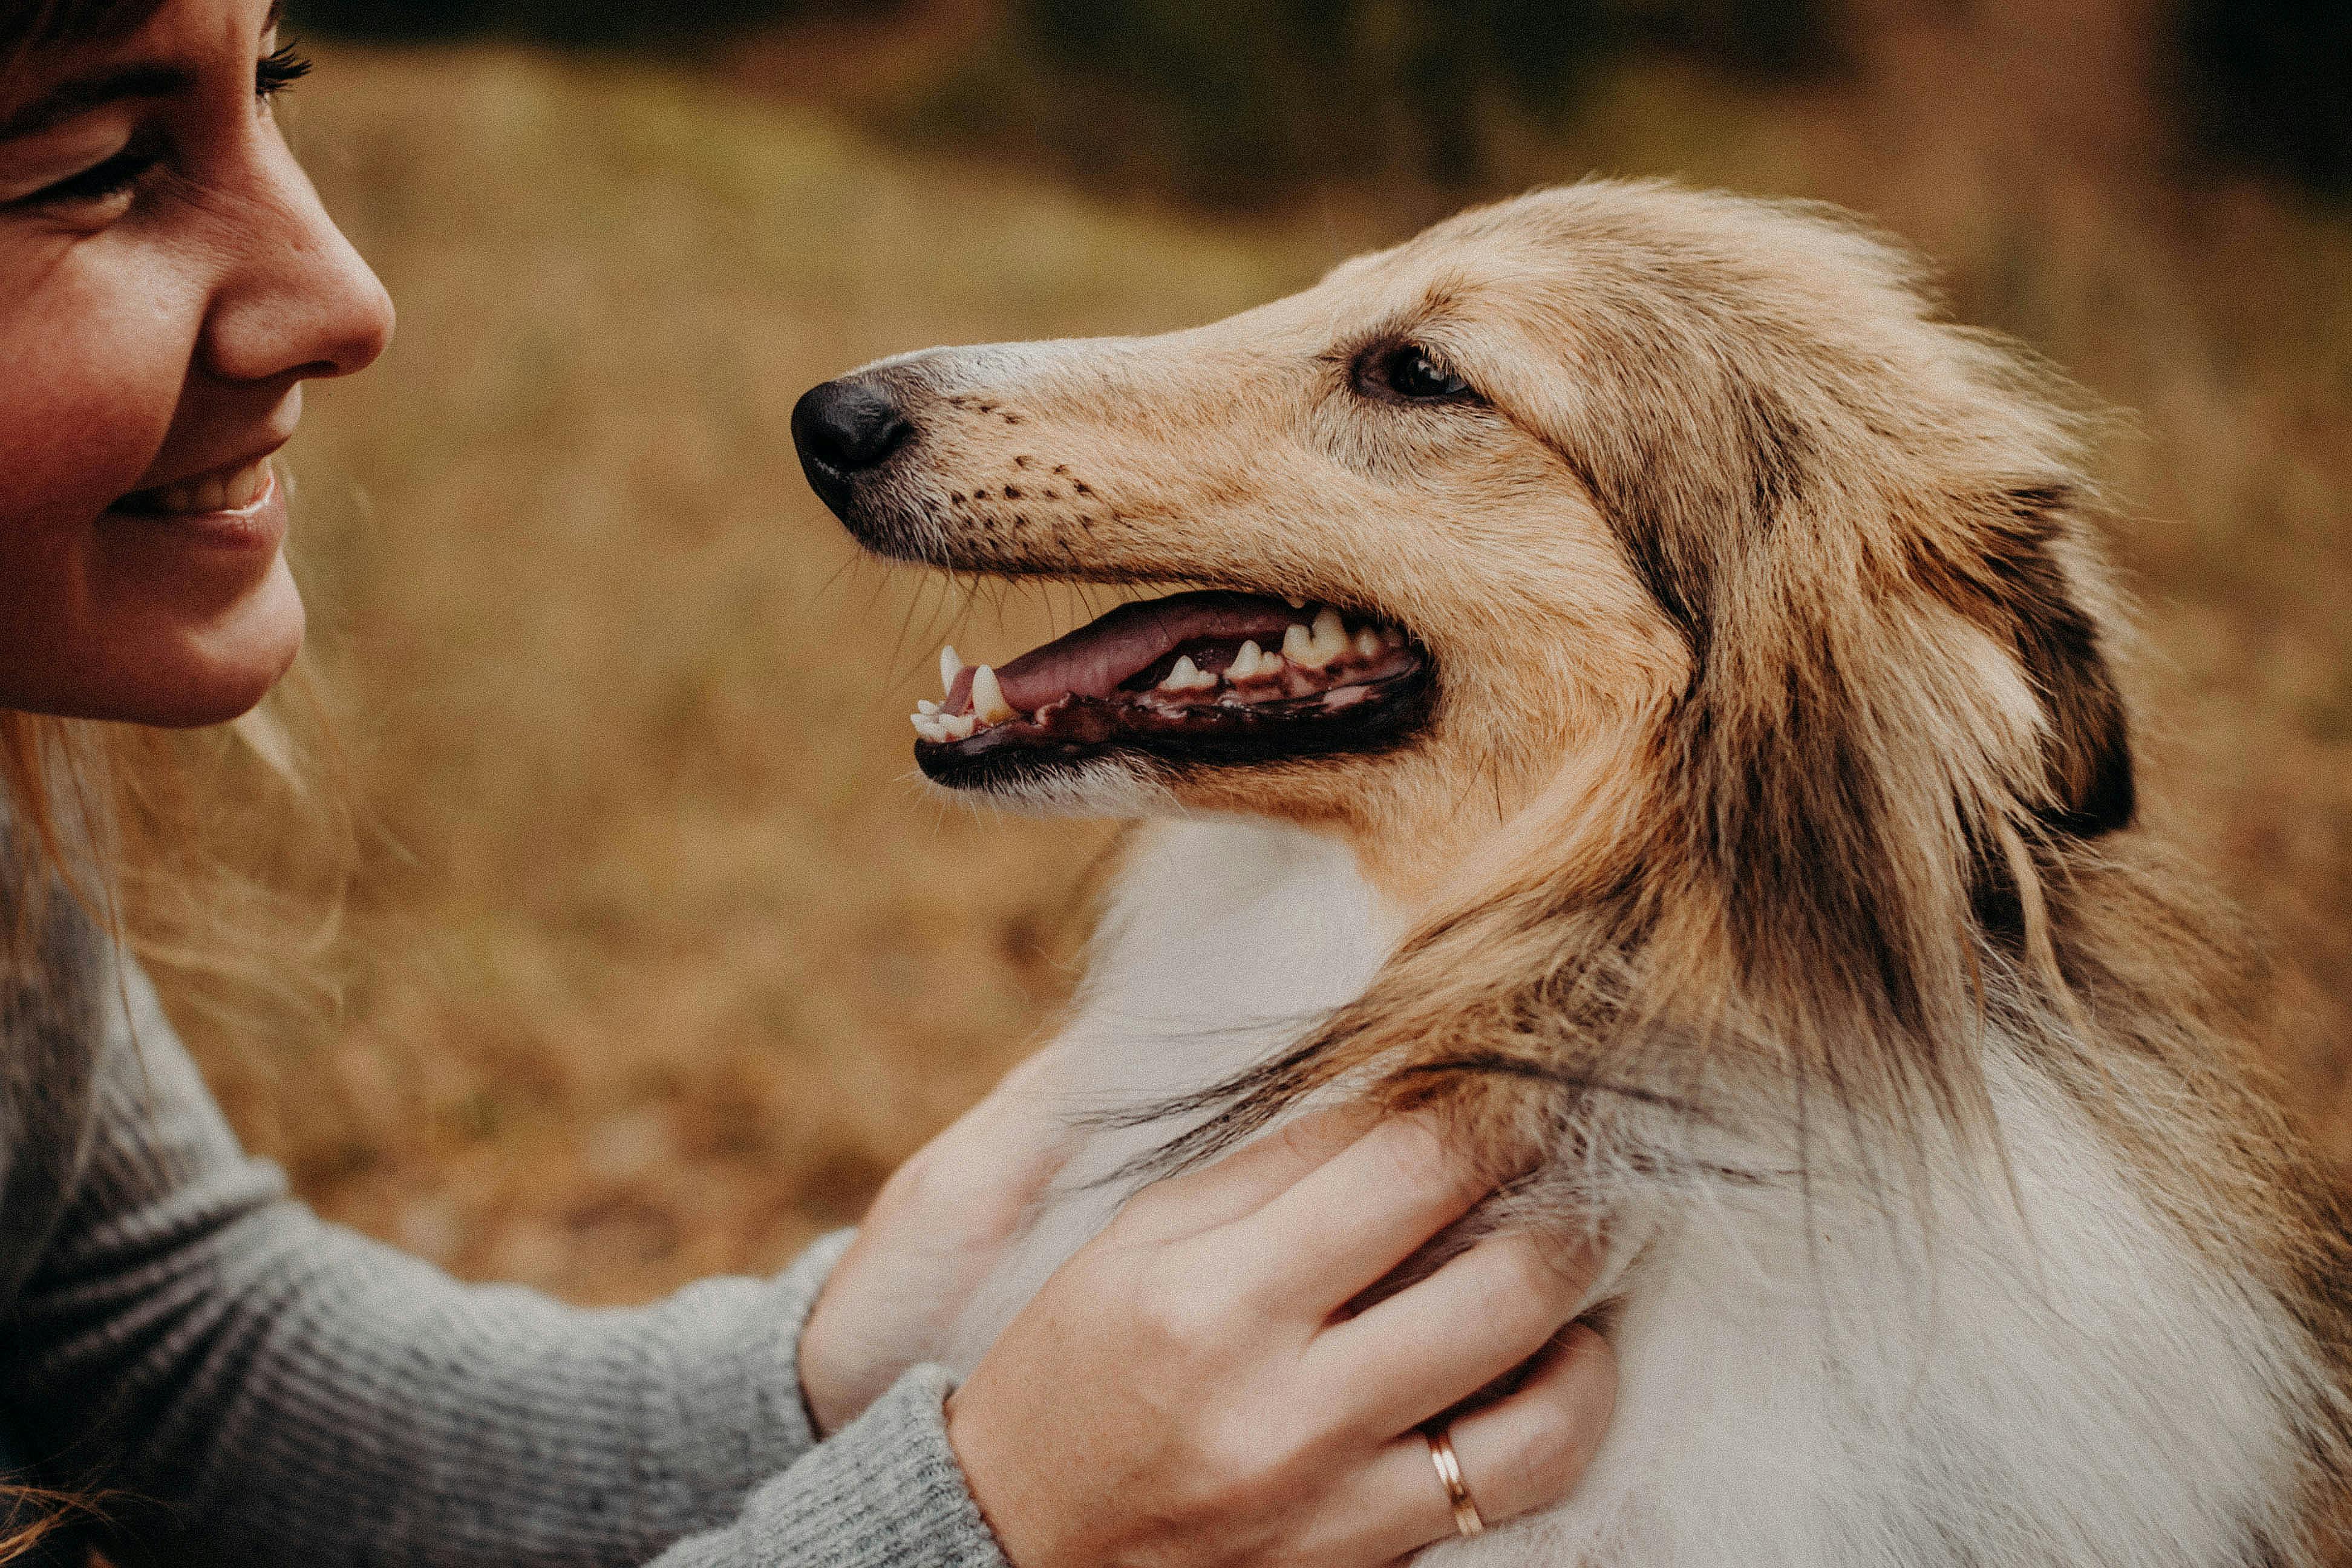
(93,362)
(91,385)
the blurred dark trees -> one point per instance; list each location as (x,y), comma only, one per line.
(1239,101)
(579,23)
(1236,100)
(2269,83)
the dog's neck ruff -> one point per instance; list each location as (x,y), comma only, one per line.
(1803,1383)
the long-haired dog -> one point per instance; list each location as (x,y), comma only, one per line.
(1644,694)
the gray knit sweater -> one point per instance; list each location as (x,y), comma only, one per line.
(252,1385)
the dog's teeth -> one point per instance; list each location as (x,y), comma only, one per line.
(1187,677)
(988,702)
(951,666)
(1314,649)
(1330,636)
(1294,601)
(957,726)
(928,728)
(1369,644)
(1248,663)
(925,705)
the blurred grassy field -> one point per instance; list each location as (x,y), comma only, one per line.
(660,959)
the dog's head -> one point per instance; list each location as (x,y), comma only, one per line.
(1616,494)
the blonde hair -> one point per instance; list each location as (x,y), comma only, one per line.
(217,856)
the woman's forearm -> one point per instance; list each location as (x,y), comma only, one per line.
(249,1383)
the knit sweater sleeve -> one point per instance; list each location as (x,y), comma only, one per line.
(246,1384)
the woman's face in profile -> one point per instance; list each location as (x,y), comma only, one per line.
(168,280)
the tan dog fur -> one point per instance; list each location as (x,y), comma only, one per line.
(1773,833)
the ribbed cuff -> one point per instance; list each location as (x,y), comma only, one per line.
(883,1492)
(731,1383)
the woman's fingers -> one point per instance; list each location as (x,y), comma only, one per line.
(1446,1337)
(1517,1455)
(1243,1182)
(1343,1226)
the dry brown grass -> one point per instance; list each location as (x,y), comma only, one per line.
(661,959)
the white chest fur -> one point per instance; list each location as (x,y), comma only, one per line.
(1801,1387)
(1223,941)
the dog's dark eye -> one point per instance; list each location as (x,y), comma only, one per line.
(1411,373)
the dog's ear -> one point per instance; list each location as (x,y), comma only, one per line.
(2088,749)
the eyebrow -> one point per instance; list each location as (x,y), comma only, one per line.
(67,99)
(152,79)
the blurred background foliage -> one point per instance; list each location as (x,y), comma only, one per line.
(657,959)
(1245,103)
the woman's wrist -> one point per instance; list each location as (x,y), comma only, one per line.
(810,1276)
(933,1235)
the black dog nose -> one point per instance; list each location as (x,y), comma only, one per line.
(843,428)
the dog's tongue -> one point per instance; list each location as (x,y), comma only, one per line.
(1095,658)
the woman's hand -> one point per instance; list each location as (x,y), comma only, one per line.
(1185,1391)
(933,1234)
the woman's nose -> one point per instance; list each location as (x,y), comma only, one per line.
(300,302)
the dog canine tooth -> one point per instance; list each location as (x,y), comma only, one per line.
(988,704)
(951,666)
(1187,677)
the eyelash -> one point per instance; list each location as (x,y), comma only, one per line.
(279,70)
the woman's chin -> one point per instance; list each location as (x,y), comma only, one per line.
(213,672)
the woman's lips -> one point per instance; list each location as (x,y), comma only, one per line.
(236,509)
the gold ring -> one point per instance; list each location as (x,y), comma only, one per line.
(1449,1476)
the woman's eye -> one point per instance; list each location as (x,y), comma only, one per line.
(98,183)
(1411,373)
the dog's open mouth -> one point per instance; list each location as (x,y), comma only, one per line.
(1213,675)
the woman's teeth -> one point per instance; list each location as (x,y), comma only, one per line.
(233,491)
